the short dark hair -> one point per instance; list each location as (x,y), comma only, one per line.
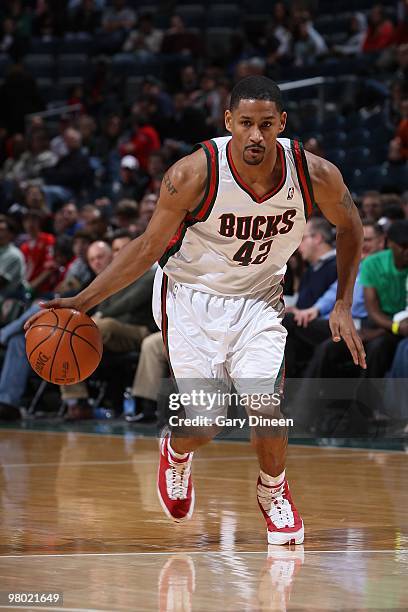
(256,88)
(121,233)
(322,226)
(378,229)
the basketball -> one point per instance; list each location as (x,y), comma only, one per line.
(64,346)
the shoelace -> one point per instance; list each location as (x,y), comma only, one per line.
(177,476)
(276,505)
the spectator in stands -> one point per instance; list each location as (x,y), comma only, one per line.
(356,36)
(133,181)
(144,139)
(19,96)
(50,19)
(37,158)
(151,369)
(316,248)
(380,31)
(146,209)
(187,127)
(126,215)
(85,18)
(308,44)
(384,277)
(12,264)
(70,218)
(79,274)
(313,322)
(146,39)
(10,40)
(371,206)
(17,147)
(107,146)
(179,40)
(401,135)
(401,30)
(156,166)
(38,251)
(123,320)
(73,171)
(117,21)
(314,146)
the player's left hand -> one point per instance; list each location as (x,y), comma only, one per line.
(342,326)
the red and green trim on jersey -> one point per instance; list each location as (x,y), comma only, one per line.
(204,208)
(241,183)
(303,177)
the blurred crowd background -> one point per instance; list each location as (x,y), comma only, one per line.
(98,98)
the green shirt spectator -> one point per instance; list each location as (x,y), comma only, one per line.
(379,271)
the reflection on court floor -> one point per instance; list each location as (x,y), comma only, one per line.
(80,516)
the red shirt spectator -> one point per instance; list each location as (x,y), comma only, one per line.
(39,255)
(145,140)
(380,32)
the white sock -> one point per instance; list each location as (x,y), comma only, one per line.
(272,481)
(176,455)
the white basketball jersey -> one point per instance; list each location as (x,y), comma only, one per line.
(235,243)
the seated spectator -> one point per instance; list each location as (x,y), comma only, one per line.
(308,44)
(356,36)
(85,18)
(146,39)
(79,274)
(152,367)
(118,17)
(316,248)
(147,207)
(179,40)
(187,127)
(37,158)
(371,206)
(117,21)
(50,19)
(384,277)
(312,324)
(11,42)
(401,135)
(123,319)
(314,146)
(126,215)
(156,167)
(133,181)
(73,171)
(38,251)
(144,139)
(12,264)
(70,219)
(380,31)
(17,146)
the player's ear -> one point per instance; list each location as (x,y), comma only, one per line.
(228,120)
(283,118)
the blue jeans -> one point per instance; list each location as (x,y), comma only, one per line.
(16,368)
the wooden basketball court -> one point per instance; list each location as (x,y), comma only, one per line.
(80,516)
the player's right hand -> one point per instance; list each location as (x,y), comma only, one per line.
(56,303)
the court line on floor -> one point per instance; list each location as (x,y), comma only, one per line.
(149,461)
(140,436)
(197,552)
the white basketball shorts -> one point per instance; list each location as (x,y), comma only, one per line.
(216,337)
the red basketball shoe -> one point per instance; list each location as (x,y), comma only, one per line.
(174,483)
(282,519)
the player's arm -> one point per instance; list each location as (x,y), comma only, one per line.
(334,200)
(182,188)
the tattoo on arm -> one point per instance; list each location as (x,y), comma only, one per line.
(169,185)
(347,201)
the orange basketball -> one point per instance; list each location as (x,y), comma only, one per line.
(63,346)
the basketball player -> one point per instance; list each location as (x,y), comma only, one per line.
(228,218)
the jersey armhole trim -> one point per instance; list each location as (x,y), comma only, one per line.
(202,211)
(304,177)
